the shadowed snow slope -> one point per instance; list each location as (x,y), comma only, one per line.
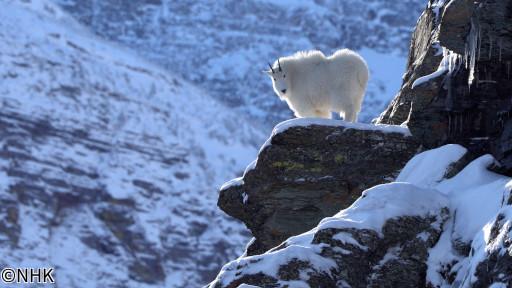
(108,164)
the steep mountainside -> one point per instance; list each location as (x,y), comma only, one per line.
(107,163)
(223,45)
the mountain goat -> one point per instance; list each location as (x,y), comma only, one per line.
(314,85)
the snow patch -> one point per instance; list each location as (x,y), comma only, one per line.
(450,62)
(387,201)
(436,8)
(347,238)
(231,183)
(476,196)
(433,164)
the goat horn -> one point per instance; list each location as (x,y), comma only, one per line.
(271,69)
(279,63)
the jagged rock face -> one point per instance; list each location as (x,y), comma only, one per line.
(424,58)
(348,251)
(306,173)
(222,46)
(466,48)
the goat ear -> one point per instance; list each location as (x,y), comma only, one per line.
(268,72)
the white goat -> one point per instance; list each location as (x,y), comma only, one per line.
(314,85)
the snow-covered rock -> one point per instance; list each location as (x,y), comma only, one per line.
(491,254)
(360,246)
(427,230)
(109,164)
(309,169)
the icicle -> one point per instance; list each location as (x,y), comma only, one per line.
(461,124)
(436,8)
(449,97)
(472,43)
(466,48)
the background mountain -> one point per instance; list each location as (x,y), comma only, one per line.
(109,162)
(223,45)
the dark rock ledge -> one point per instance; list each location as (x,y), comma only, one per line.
(310,169)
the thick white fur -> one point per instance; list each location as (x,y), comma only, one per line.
(317,85)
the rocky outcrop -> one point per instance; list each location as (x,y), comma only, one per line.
(420,231)
(309,170)
(382,240)
(458,80)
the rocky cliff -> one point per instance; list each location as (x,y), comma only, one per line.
(445,220)
(458,80)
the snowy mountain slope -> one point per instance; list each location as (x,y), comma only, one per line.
(108,164)
(223,45)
